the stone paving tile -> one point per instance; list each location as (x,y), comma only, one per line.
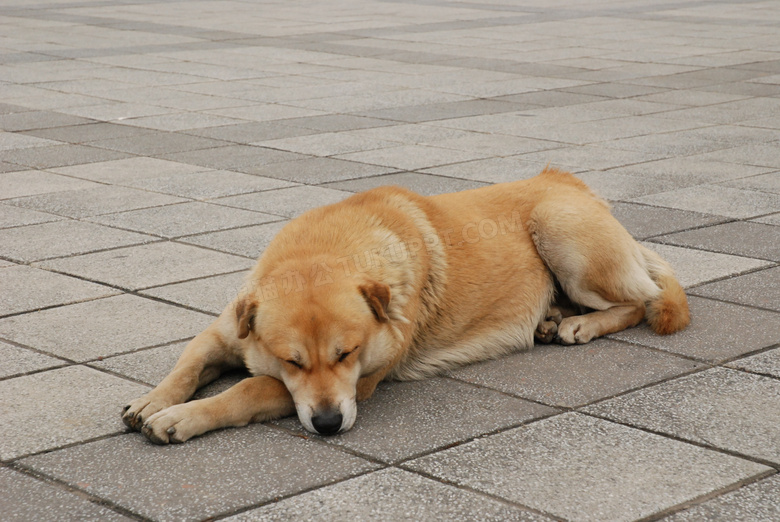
(766,363)
(337,122)
(425,184)
(25,498)
(156,143)
(412,157)
(14,216)
(208,184)
(249,241)
(103,327)
(314,171)
(21,360)
(580,468)
(694,267)
(21,121)
(773,219)
(26,288)
(93,201)
(761,289)
(210,294)
(149,366)
(644,221)
(616,186)
(717,331)
(395,495)
(59,156)
(32,182)
(758,154)
(287,202)
(326,144)
(49,409)
(739,238)
(129,170)
(571,376)
(404,419)
(149,265)
(63,238)
(233,157)
(183,219)
(756,502)
(764,182)
(491,170)
(84,133)
(246,133)
(692,169)
(12,140)
(215,474)
(702,407)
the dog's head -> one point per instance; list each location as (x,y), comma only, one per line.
(319,341)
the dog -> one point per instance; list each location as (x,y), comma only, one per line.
(388,284)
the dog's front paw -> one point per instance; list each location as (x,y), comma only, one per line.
(574,330)
(175,424)
(135,413)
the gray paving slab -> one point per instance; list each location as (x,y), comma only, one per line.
(716,199)
(144,266)
(763,182)
(691,169)
(571,376)
(93,201)
(149,366)
(491,170)
(208,184)
(314,171)
(395,495)
(717,331)
(11,216)
(701,407)
(215,474)
(85,133)
(249,241)
(157,142)
(738,237)
(18,360)
(183,219)
(580,468)
(59,156)
(761,289)
(239,158)
(644,221)
(693,267)
(765,363)
(210,294)
(404,419)
(425,184)
(102,327)
(62,406)
(63,238)
(411,157)
(32,182)
(129,170)
(771,219)
(26,498)
(26,288)
(246,133)
(21,121)
(755,502)
(286,202)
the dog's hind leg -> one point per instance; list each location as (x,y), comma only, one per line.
(597,263)
(203,360)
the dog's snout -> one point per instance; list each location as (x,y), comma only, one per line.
(328,422)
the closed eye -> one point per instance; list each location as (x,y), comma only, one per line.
(295,363)
(344,355)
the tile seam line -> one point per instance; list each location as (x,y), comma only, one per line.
(655,240)
(773,466)
(62,485)
(712,495)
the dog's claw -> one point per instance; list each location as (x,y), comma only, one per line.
(171,430)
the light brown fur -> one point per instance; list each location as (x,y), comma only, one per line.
(390,284)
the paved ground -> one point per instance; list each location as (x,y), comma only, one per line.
(150,149)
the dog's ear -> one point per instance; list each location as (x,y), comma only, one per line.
(245,315)
(378,297)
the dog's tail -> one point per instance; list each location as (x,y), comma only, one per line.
(667,313)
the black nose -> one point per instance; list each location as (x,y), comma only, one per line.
(327,423)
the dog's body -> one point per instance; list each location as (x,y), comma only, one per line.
(390,284)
